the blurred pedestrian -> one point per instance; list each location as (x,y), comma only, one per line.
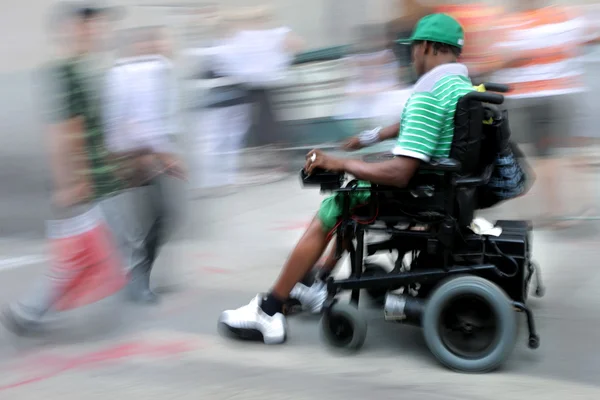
(482,25)
(243,64)
(373,75)
(406,15)
(86,184)
(140,112)
(541,46)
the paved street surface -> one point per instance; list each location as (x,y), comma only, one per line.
(231,248)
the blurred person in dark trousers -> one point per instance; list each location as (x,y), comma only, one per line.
(140,120)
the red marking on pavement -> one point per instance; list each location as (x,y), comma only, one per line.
(214,270)
(58,364)
(292,226)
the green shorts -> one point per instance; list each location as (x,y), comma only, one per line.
(331,208)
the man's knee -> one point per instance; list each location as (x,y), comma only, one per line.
(330,212)
(332,208)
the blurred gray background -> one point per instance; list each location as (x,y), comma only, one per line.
(25,46)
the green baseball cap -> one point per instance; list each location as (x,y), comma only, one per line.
(440,28)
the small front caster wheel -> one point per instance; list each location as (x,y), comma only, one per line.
(534,342)
(343,327)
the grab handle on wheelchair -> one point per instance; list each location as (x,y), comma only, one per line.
(496,87)
(484,97)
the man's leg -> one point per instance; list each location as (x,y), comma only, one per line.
(264,315)
(328,263)
(311,291)
(308,251)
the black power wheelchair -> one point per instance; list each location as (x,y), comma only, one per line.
(462,288)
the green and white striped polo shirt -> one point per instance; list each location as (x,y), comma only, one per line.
(427,125)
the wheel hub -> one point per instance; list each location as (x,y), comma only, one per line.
(468,326)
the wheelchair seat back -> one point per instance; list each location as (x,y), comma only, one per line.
(478,135)
(468,135)
(480,132)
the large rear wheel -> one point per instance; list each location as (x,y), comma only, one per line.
(469,324)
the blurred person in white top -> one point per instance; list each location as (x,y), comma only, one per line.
(250,55)
(140,124)
(141,101)
(373,78)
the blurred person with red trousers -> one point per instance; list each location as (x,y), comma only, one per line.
(97,228)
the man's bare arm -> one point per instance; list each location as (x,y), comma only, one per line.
(368,138)
(389,132)
(396,172)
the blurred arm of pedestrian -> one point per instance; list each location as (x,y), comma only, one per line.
(69,163)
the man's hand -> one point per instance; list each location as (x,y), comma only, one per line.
(317,159)
(352,144)
(370,137)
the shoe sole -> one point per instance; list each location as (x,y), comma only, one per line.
(250,335)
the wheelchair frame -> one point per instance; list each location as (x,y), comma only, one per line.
(349,229)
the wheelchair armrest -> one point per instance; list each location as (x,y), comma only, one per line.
(327,180)
(478,180)
(441,164)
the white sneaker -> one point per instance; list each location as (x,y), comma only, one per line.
(312,297)
(251,323)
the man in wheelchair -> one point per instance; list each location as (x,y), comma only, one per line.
(426,132)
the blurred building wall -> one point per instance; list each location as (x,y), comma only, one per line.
(321,22)
(25,45)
